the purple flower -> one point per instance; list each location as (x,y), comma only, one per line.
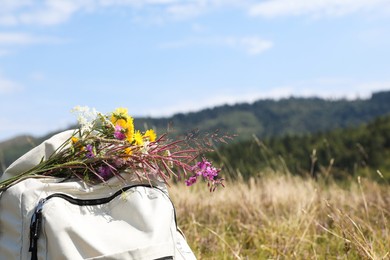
(205,169)
(105,172)
(191,180)
(210,173)
(203,164)
(90,153)
(118,134)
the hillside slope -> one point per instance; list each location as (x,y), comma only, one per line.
(268,118)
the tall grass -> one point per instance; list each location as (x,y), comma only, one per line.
(281,216)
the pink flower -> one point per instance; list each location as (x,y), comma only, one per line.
(203,164)
(206,169)
(210,173)
(191,180)
(118,134)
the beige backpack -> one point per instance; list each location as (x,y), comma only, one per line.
(52,218)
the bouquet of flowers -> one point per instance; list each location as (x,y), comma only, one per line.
(105,146)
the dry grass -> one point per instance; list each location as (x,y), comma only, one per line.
(285,217)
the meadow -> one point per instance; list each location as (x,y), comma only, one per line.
(280,216)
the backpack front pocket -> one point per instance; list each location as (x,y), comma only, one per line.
(137,222)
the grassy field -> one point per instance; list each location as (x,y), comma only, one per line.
(286,217)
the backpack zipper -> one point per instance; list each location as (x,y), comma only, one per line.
(36,219)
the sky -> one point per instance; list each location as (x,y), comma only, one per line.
(161,57)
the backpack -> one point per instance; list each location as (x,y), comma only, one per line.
(52,218)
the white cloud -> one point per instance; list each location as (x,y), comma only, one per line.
(8,41)
(186,106)
(185,10)
(16,38)
(198,28)
(316,8)
(48,12)
(4,52)
(37,76)
(7,5)
(329,88)
(368,87)
(252,44)
(332,88)
(37,126)
(8,86)
(53,12)
(138,3)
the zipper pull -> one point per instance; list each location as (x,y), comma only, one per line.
(35,226)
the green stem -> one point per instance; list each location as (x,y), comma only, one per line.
(37,170)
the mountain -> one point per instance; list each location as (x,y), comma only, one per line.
(263,118)
(268,118)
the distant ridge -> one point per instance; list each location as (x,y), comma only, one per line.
(288,116)
(263,118)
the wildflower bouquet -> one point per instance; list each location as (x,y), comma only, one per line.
(105,146)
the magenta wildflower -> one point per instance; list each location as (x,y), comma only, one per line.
(118,133)
(206,169)
(191,180)
(210,173)
(203,164)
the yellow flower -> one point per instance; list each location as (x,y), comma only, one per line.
(119,113)
(151,135)
(128,151)
(74,139)
(120,118)
(129,127)
(75,142)
(121,122)
(138,138)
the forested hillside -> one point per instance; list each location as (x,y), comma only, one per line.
(339,154)
(269,118)
(293,127)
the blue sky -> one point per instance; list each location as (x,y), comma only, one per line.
(160,57)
